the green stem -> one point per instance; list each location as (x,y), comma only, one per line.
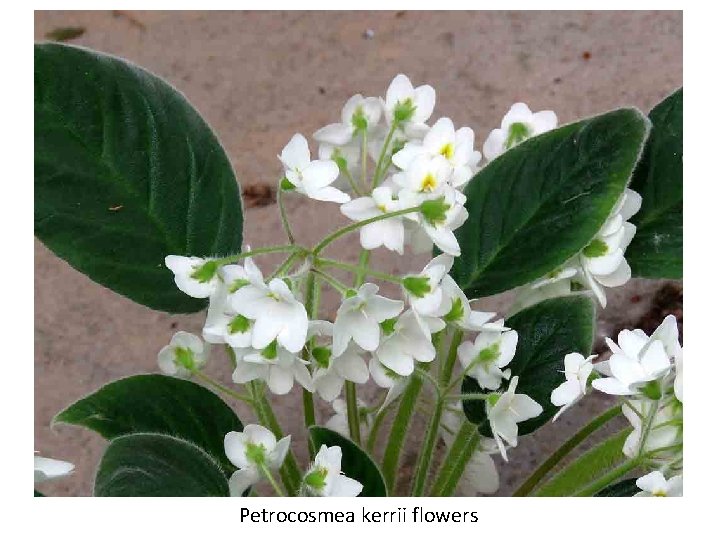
(375,429)
(362,268)
(359,224)
(260,251)
(463,459)
(549,464)
(351,180)
(607,479)
(383,151)
(364,157)
(455,461)
(352,411)
(286,264)
(311,306)
(222,388)
(339,287)
(271,479)
(289,471)
(465,397)
(399,429)
(449,365)
(359,271)
(428,446)
(283,215)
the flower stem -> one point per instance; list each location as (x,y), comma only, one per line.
(536,477)
(290,472)
(352,411)
(351,180)
(312,290)
(260,251)
(456,460)
(359,271)
(383,151)
(607,479)
(271,479)
(400,427)
(359,224)
(286,265)
(283,215)
(449,365)
(364,157)
(429,444)
(375,429)
(339,287)
(222,388)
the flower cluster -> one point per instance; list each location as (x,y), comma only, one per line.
(646,373)
(400,178)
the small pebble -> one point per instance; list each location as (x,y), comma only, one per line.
(369,33)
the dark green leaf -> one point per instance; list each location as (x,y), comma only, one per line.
(624,488)
(356,464)
(127,172)
(157,404)
(540,203)
(155,465)
(656,250)
(587,468)
(38,494)
(547,332)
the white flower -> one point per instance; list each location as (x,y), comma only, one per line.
(185,354)
(518,124)
(409,107)
(442,141)
(485,358)
(276,312)
(678,385)
(505,411)
(424,176)
(275,365)
(223,323)
(602,262)
(406,343)
(311,178)
(462,315)
(338,422)
(386,232)
(481,475)
(51,469)
(665,430)
(358,114)
(438,218)
(385,377)
(577,370)
(194,276)
(331,371)
(632,364)
(655,485)
(359,318)
(251,450)
(424,291)
(325,479)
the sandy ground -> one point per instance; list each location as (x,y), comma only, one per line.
(258,78)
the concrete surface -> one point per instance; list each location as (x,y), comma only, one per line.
(259,77)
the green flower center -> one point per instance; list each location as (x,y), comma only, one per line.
(315,479)
(596,248)
(517,133)
(205,272)
(255,453)
(238,324)
(322,356)
(404,110)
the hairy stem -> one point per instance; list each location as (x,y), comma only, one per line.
(400,427)
(359,224)
(359,271)
(260,251)
(607,479)
(428,446)
(383,151)
(549,464)
(222,388)
(283,215)
(352,411)
(456,459)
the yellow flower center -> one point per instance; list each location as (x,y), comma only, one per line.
(429,183)
(448,151)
